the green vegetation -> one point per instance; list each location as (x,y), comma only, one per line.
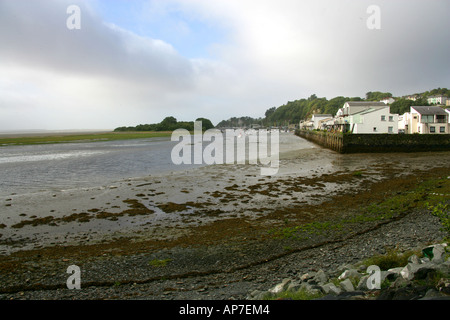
(442,211)
(377,95)
(159,263)
(73,138)
(168,124)
(431,194)
(392,259)
(294,111)
(294,295)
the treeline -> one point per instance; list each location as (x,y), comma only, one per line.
(168,124)
(294,111)
(240,122)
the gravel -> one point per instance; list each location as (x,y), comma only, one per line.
(222,272)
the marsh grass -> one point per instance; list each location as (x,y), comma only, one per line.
(74,138)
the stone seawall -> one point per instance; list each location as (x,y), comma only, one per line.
(372,143)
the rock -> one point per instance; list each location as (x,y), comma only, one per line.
(414,259)
(443,286)
(362,285)
(409,270)
(321,277)
(435,252)
(293,286)
(351,273)
(281,286)
(432,294)
(347,286)
(330,288)
(306,277)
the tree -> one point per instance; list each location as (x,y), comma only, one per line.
(206,123)
(270,111)
(377,95)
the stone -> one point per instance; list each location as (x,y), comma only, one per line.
(414,259)
(350,273)
(438,253)
(347,286)
(306,277)
(281,286)
(409,270)
(435,252)
(321,277)
(362,285)
(293,286)
(443,286)
(330,288)
(432,294)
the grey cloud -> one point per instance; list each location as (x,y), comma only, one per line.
(34,33)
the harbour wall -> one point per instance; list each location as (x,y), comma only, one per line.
(377,143)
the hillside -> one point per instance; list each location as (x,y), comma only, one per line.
(294,111)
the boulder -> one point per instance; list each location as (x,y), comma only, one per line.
(347,286)
(281,286)
(330,288)
(350,273)
(321,277)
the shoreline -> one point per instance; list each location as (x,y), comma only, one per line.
(227,245)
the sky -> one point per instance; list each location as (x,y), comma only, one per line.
(127,62)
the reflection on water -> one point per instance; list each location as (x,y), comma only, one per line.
(76,165)
(36,167)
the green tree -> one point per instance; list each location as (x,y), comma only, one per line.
(206,123)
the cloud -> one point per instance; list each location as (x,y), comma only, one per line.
(109,74)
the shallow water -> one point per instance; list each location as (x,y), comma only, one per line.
(34,168)
(61,180)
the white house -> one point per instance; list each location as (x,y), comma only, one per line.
(412,97)
(437,99)
(387,100)
(317,118)
(403,121)
(368,117)
(428,119)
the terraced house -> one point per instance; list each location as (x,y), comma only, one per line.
(367,117)
(426,120)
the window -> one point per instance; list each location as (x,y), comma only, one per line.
(442,129)
(432,129)
(374,129)
(427,119)
(383,118)
(391,129)
(391,118)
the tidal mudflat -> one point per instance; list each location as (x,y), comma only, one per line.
(206,220)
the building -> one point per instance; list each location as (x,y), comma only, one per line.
(388,100)
(367,117)
(427,120)
(412,97)
(438,99)
(317,118)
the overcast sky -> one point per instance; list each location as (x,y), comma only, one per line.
(135,62)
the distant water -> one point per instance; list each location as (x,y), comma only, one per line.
(72,165)
(34,168)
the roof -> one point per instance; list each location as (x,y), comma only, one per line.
(366,111)
(366,104)
(322,115)
(429,110)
